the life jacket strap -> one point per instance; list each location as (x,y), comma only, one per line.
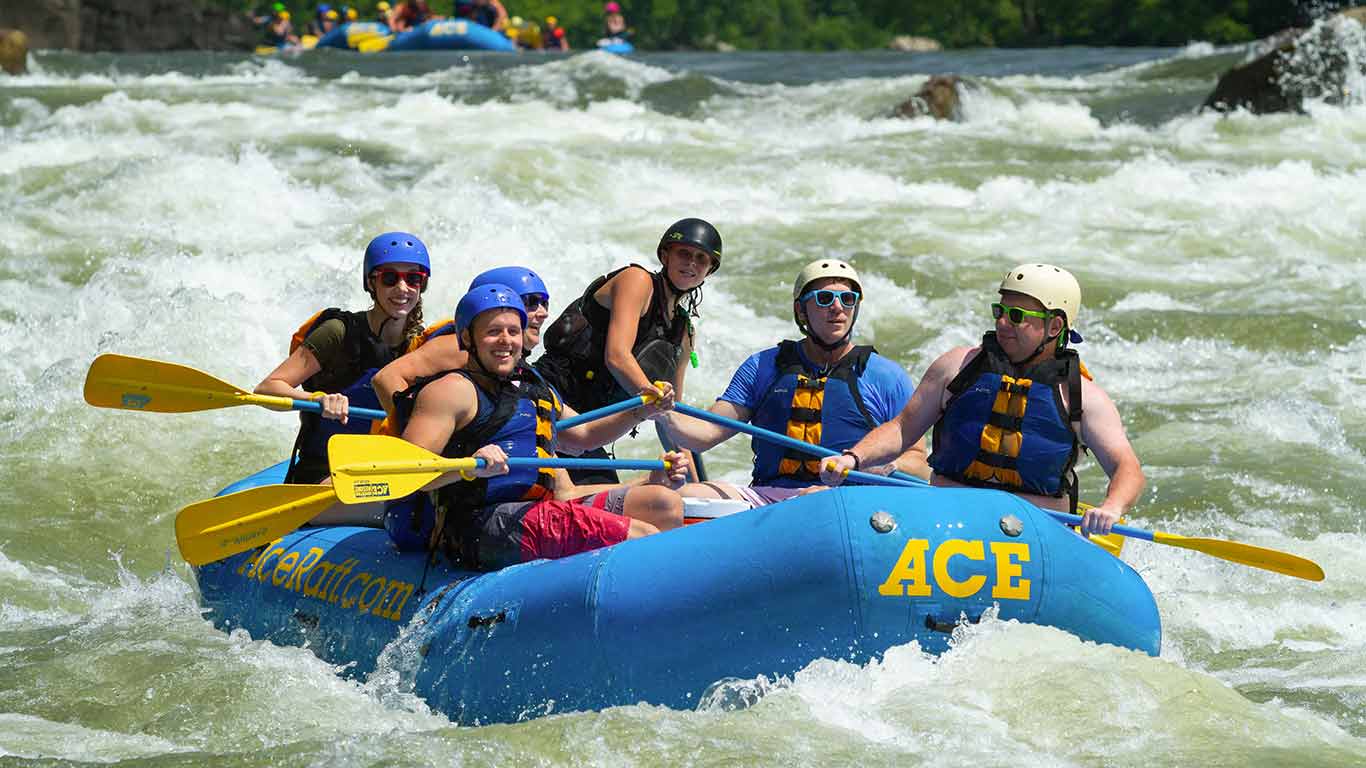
(804,424)
(999,447)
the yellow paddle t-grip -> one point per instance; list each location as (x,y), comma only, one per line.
(273,402)
(650,397)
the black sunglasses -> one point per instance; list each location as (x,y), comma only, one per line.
(390,277)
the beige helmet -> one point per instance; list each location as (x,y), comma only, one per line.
(824,268)
(1054,287)
(816,270)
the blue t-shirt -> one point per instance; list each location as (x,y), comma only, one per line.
(885,386)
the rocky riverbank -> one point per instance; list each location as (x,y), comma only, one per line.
(128,25)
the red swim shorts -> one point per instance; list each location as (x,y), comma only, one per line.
(553,529)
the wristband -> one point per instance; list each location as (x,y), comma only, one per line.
(850,453)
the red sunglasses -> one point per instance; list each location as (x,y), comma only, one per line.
(390,277)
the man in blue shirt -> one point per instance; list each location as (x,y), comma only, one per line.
(822,390)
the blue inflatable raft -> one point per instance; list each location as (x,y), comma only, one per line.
(842,574)
(617,45)
(451,35)
(353,35)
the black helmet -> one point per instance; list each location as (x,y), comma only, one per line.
(694,232)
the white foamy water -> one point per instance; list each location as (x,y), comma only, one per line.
(200,215)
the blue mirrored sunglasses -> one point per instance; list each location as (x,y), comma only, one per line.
(826,297)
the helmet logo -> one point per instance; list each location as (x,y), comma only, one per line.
(675,235)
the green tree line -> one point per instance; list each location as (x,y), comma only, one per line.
(863,24)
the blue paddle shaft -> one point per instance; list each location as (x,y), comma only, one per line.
(314,406)
(558,463)
(764,434)
(607,410)
(1122,530)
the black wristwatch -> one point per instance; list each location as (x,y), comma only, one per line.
(850,453)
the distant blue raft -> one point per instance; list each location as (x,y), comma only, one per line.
(617,45)
(842,574)
(451,35)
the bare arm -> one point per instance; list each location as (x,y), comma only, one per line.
(910,425)
(600,432)
(1103,431)
(698,435)
(502,15)
(680,464)
(915,460)
(284,381)
(443,407)
(440,354)
(628,295)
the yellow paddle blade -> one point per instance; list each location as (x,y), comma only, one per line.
(139,384)
(374,44)
(223,526)
(377,467)
(1246,554)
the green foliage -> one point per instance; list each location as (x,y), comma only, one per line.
(861,24)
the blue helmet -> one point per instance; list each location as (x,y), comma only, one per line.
(524,281)
(391,248)
(323,8)
(483,299)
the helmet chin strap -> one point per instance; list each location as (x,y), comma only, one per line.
(669,281)
(474,356)
(680,292)
(1039,349)
(828,347)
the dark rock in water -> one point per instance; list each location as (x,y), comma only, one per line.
(937,98)
(128,25)
(1302,64)
(48,23)
(13,51)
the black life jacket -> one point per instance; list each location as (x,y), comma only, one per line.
(365,354)
(518,414)
(576,344)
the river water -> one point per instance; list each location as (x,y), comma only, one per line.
(196,208)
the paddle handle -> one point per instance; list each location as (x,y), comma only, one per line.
(313,406)
(784,440)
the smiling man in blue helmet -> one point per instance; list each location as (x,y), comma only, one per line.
(334,354)
(495,407)
(1015,412)
(439,348)
(823,390)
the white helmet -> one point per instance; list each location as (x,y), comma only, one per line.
(1055,288)
(824,268)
